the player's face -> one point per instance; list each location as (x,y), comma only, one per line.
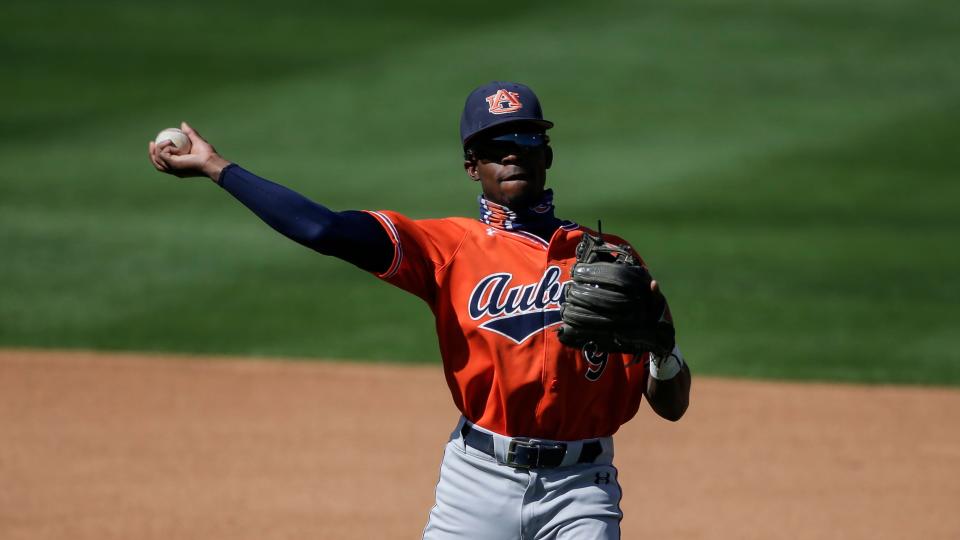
(512,171)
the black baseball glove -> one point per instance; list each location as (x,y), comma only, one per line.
(610,303)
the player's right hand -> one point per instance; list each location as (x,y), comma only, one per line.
(202,160)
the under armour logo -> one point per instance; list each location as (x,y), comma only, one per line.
(602,478)
(491,231)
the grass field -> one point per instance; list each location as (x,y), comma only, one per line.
(787,168)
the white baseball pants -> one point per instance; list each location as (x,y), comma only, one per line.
(479,497)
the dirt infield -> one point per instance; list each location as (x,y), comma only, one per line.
(96,446)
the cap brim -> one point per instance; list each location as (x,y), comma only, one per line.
(524,137)
(545,124)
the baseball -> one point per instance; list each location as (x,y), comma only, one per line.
(179,138)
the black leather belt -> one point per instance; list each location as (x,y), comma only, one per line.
(524,453)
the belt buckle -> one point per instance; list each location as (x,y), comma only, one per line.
(524,453)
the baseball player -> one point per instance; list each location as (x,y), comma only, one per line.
(550,333)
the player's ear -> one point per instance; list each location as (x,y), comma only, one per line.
(471,167)
(549,156)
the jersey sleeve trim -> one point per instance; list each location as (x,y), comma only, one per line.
(391,229)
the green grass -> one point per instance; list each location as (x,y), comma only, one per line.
(787,168)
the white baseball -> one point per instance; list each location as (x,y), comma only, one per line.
(179,138)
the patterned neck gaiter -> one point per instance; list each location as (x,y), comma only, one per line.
(539,216)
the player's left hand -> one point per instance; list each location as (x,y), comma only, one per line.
(614,303)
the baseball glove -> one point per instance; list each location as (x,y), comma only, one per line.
(610,303)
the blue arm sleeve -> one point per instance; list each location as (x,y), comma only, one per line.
(353,236)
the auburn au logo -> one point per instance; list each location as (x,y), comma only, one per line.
(504,102)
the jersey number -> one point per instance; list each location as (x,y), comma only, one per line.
(596,360)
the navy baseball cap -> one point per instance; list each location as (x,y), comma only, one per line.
(498,103)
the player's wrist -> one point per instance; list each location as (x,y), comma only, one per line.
(667,366)
(214,166)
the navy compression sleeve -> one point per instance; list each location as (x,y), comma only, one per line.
(353,236)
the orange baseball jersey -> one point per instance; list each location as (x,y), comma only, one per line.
(496,296)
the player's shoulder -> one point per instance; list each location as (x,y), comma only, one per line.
(450,225)
(458,222)
(440,230)
(442,222)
